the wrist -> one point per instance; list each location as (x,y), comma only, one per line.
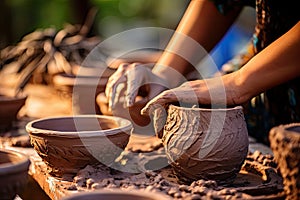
(238,94)
(171,76)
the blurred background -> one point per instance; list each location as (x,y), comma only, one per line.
(21,17)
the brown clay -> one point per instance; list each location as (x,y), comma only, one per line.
(209,144)
(67,144)
(13,173)
(141,123)
(254,181)
(285,144)
(9,108)
(82,89)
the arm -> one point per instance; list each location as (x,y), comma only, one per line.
(276,64)
(204,24)
(201,26)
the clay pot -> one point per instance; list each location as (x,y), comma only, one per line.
(69,143)
(205,143)
(117,194)
(285,144)
(141,123)
(13,173)
(82,89)
(10,106)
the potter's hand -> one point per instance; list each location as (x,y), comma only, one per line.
(209,91)
(128,79)
(184,93)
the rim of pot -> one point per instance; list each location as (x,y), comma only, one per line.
(124,126)
(238,107)
(7,98)
(16,166)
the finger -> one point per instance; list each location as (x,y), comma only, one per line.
(115,92)
(118,94)
(113,81)
(159,101)
(135,79)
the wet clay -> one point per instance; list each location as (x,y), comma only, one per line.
(13,173)
(255,180)
(67,144)
(141,123)
(209,144)
(285,144)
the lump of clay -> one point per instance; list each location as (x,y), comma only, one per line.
(202,143)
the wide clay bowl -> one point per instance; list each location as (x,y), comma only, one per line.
(9,108)
(285,144)
(117,194)
(13,173)
(69,143)
(205,143)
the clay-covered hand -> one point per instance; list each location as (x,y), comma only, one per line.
(128,80)
(205,92)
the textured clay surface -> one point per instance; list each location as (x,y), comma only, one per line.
(256,180)
(66,148)
(13,173)
(205,143)
(285,144)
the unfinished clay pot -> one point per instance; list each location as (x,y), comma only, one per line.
(285,144)
(10,106)
(117,194)
(69,143)
(141,123)
(13,173)
(205,143)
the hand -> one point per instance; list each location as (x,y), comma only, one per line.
(205,92)
(131,79)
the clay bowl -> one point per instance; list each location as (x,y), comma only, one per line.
(10,106)
(69,143)
(13,173)
(204,143)
(285,144)
(117,194)
(141,124)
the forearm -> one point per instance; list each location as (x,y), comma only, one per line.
(276,64)
(202,26)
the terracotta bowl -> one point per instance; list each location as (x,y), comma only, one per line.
(285,144)
(117,194)
(9,108)
(13,173)
(69,143)
(203,143)
(141,124)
